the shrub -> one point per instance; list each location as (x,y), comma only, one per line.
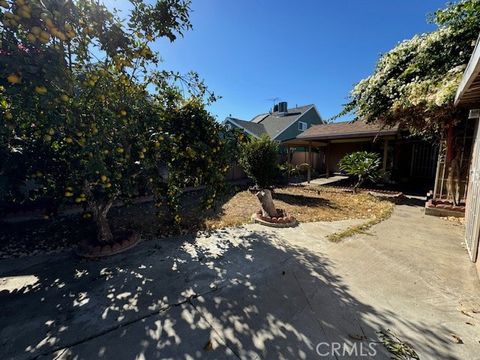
(363,165)
(260,161)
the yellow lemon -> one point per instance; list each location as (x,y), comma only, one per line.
(14,79)
(120,150)
(61,36)
(68,194)
(24,14)
(104,178)
(68,140)
(49,22)
(123,113)
(8,116)
(41,90)
(44,36)
(36,30)
(64,98)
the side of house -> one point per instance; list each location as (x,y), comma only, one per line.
(468,98)
(279,124)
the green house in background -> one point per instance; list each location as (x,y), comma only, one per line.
(281,123)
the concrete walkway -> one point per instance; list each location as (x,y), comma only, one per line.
(251,293)
(327,181)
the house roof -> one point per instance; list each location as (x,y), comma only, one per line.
(276,122)
(251,127)
(345,130)
(271,123)
(468,92)
(259,118)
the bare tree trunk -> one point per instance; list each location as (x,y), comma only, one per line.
(453,181)
(266,200)
(100,211)
(104,233)
(357,184)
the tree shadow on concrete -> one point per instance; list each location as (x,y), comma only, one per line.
(227,294)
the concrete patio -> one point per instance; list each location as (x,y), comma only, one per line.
(250,293)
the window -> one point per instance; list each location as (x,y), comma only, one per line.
(302,126)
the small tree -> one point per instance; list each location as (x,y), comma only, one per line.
(260,161)
(363,165)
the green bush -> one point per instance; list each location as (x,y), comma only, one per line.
(260,161)
(363,165)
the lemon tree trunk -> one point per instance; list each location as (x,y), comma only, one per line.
(104,233)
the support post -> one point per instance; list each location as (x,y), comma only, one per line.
(288,163)
(385,155)
(309,176)
(327,169)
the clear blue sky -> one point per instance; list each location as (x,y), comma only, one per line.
(303,51)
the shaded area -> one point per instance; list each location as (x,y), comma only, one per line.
(303,200)
(416,189)
(244,292)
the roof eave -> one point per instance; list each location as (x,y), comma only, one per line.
(349,135)
(472,73)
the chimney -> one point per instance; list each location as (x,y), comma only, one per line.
(282,107)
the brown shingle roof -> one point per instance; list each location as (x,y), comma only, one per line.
(345,130)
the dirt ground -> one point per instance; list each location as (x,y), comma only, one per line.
(305,203)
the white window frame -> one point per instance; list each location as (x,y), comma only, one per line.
(302,126)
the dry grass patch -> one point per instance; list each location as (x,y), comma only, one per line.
(362,228)
(305,203)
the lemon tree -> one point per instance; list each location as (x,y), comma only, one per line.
(84,119)
(200,153)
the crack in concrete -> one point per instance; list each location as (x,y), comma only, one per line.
(224,341)
(120,325)
(165,308)
(312,310)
